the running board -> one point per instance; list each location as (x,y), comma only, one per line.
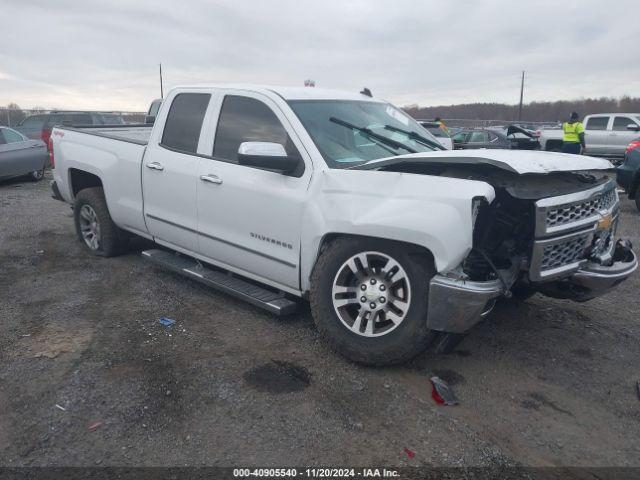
(272,301)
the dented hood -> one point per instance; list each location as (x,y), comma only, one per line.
(517,161)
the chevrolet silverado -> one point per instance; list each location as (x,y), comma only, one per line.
(275,194)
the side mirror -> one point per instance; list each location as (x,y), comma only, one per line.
(633,127)
(267,155)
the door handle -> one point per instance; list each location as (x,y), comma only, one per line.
(155,166)
(211,179)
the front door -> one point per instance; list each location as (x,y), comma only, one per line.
(620,136)
(249,218)
(170,172)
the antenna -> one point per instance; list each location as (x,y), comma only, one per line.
(161,91)
(521,95)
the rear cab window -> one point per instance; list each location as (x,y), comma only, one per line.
(597,123)
(184,122)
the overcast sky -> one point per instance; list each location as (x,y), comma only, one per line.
(104,54)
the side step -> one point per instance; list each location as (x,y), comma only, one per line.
(272,301)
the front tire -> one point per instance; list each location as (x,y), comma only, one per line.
(94,226)
(369,300)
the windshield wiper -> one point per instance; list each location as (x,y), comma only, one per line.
(386,140)
(415,136)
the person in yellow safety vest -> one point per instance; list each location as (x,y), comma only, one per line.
(573,138)
(441,124)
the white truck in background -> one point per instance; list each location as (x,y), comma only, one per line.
(606,135)
(276,194)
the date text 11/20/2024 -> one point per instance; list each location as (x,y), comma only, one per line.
(315,473)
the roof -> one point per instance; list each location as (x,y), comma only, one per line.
(292,93)
(615,113)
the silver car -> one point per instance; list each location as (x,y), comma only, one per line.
(21,156)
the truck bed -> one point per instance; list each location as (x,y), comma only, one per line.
(134,133)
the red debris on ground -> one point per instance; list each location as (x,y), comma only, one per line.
(409,453)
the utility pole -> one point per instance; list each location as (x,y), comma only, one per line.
(162,92)
(521,96)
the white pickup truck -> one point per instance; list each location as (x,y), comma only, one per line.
(271,194)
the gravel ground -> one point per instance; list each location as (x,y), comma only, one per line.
(89,377)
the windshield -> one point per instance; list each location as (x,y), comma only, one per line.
(349,133)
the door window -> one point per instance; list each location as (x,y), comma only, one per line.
(459,137)
(478,137)
(184,122)
(597,123)
(11,136)
(620,123)
(244,119)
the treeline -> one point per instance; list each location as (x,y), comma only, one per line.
(532,112)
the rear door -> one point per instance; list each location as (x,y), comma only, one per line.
(249,218)
(596,135)
(620,136)
(19,155)
(170,169)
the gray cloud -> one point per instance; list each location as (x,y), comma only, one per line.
(104,54)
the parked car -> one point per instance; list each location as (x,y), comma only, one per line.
(629,172)
(277,194)
(21,156)
(508,137)
(606,135)
(441,135)
(40,125)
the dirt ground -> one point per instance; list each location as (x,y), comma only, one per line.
(88,376)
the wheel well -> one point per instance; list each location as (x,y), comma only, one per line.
(80,180)
(419,252)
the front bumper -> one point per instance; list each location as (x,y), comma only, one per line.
(456,305)
(593,279)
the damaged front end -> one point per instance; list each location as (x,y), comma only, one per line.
(554,235)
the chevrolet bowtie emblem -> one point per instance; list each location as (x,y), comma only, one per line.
(605,222)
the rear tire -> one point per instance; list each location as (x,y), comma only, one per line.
(396,334)
(37,175)
(94,226)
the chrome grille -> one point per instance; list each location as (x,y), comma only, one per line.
(554,257)
(563,254)
(568,231)
(579,211)
(556,215)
